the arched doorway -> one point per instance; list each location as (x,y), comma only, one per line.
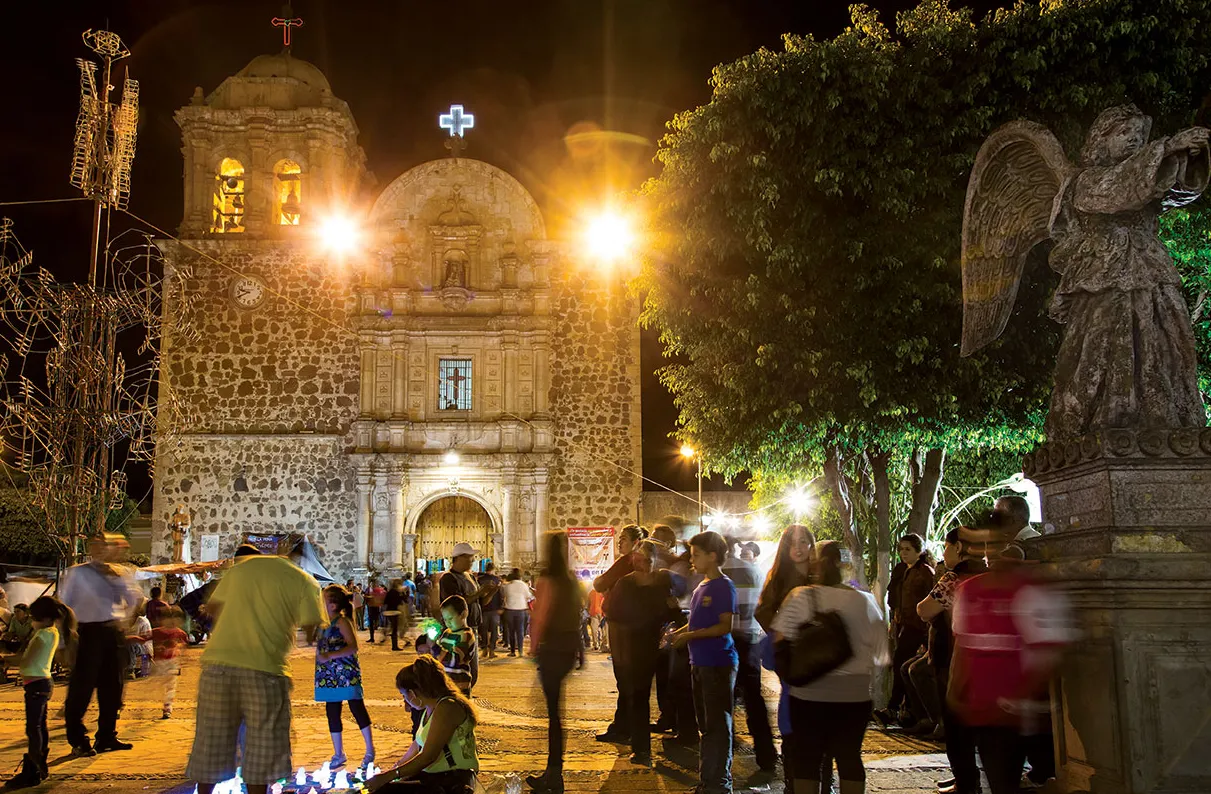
(451,520)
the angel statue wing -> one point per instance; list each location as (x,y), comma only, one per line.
(1014,183)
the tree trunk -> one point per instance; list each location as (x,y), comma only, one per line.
(926,471)
(834,475)
(879,461)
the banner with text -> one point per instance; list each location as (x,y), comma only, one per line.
(590,550)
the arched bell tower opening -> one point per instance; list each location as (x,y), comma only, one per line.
(449,520)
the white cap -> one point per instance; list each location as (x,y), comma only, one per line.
(463,548)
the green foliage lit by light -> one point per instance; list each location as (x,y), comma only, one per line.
(805,228)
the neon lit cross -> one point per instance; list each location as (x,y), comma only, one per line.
(286,23)
(456,121)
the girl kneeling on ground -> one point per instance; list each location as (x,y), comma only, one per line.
(442,757)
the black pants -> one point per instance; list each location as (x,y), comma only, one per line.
(664,694)
(1002,754)
(961,752)
(748,682)
(1040,753)
(101,658)
(356,707)
(37,696)
(489,631)
(638,673)
(836,729)
(374,614)
(553,667)
(681,686)
(393,624)
(908,641)
(622,711)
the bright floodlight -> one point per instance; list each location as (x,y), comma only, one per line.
(450,458)
(609,236)
(339,234)
(799,501)
(687,451)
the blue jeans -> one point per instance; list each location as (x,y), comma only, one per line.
(714,696)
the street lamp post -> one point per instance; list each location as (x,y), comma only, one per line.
(689,452)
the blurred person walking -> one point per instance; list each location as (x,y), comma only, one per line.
(555,638)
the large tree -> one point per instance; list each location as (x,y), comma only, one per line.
(804,270)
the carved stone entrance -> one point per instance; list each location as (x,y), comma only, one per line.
(450,520)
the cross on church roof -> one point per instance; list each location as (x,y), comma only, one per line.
(287,21)
(457,121)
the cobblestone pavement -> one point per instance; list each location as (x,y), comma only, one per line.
(511,735)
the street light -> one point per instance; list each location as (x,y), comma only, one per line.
(450,458)
(609,236)
(689,452)
(339,234)
(800,502)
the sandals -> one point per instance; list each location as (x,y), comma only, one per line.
(336,762)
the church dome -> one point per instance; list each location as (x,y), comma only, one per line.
(280,82)
(284,65)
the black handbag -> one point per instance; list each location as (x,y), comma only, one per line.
(821,646)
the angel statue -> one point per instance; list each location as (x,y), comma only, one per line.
(1127,359)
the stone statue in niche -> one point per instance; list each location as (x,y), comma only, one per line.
(179,525)
(1128,358)
(455,269)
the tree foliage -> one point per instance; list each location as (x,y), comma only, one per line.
(804,274)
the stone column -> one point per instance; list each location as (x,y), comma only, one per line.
(395,488)
(365,517)
(409,553)
(498,548)
(542,377)
(366,406)
(509,516)
(399,407)
(541,518)
(1128,520)
(510,373)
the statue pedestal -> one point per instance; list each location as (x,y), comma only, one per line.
(1132,545)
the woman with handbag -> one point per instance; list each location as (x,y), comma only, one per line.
(442,758)
(792,568)
(830,675)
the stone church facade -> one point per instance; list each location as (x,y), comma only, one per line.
(459,376)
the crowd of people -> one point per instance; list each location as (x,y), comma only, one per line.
(974,640)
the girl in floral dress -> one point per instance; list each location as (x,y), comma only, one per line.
(338,676)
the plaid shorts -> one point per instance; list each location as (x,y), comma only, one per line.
(233,695)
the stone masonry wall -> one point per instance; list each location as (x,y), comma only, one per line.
(289,365)
(293,484)
(595,402)
(265,395)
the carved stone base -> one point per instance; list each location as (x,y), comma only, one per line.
(1132,543)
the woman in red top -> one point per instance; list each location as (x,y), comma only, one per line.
(619,730)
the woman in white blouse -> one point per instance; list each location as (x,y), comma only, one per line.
(515,598)
(829,715)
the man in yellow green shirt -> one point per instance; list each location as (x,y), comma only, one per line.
(259,606)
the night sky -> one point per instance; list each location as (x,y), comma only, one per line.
(532,71)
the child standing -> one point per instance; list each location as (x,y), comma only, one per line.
(167,640)
(338,674)
(456,649)
(713,660)
(36,662)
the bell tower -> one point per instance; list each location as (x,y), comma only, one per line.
(267,152)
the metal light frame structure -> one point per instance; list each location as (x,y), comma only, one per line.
(73,412)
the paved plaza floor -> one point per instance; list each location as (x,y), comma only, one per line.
(511,735)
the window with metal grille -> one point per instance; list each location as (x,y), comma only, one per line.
(454,384)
